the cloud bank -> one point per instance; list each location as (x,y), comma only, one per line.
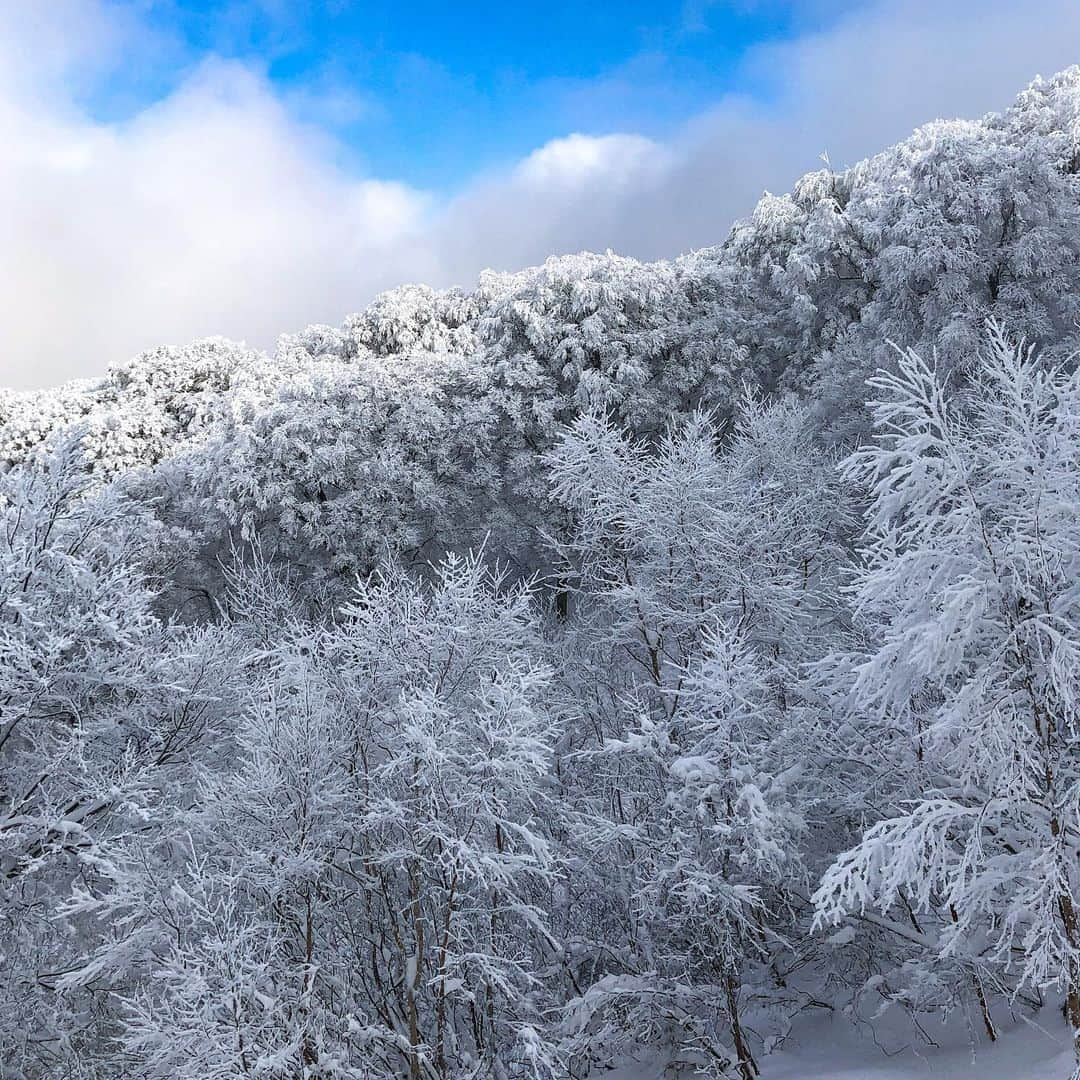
(219,211)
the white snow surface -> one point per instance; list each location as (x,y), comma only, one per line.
(831,1048)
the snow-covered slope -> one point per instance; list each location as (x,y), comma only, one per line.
(506,683)
(831,1048)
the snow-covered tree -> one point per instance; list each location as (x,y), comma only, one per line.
(100,708)
(341,461)
(967,591)
(449,701)
(702,578)
(242,940)
(357,886)
(707,835)
(140,413)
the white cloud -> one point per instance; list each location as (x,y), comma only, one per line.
(213,212)
(575,161)
(218,211)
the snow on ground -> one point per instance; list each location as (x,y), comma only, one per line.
(830,1048)
(1037,1050)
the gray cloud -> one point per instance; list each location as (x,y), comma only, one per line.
(219,211)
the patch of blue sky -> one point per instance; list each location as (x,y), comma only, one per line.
(434,93)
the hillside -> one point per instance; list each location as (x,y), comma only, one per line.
(420,395)
(617,666)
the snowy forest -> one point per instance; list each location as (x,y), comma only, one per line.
(612,667)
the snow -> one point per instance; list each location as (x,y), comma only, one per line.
(830,1048)
(514,678)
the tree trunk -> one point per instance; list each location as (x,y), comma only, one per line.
(748,1068)
(1072,986)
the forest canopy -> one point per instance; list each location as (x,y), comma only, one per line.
(618,657)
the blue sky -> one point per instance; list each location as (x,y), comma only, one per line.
(432,93)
